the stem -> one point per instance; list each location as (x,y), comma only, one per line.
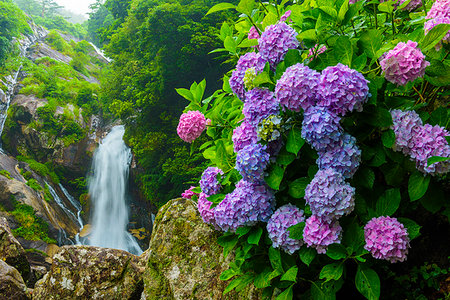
(420,95)
(377,68)
(353,25)
(254,25)
(375,14)
(393,25)
(424,7)
(263,6)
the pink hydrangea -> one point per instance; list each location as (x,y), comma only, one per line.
(440,8)
(319,234)
(204,208)
(386,238)
(191,126)
(188,194)
(404,63)
(405,125)
(433,22)
(253,33)
(321,50)
(286,16)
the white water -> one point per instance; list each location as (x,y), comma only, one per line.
(107,188)
(77,206)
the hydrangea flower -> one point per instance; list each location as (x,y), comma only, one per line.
(245,206)
(244,135)
(275,42)
(404,63)
(386,238)
(321,128)
(191,126)
(251,161)
(259,104)
(440,8)
(204,208)
(188,194)
(329,196)
(319,234)
(249,77)
(209,183)
(406,124)
(286,16)
(297,87)
(246,61)
(277,227)
(321,50)
(344,157)
(253,33)
(433,22)
(342,89)
(270,128)
(412,5)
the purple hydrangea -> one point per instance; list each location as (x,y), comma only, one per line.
(406,124)
(259,104)
(246,61)
(285,16)
(342,89)
(189,193)
(440,8)
(433,22)
(204,208)
(253,33)
(321,128)
(321,50)
(244,135)
(209,183)
(345,157)
(275,42)
(386,238)
(191,126)
(246,205)
(277,227)
(404,63)
(412,5)
(329,196)
(297,87)
(319,234)
(251,161)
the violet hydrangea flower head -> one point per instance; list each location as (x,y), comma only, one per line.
(342,89)
(275,42)
(245,206)
(433,22)
(205,210)
(404,63)
(406,124)
(244,135)
(321,128)
(259,104)
(191,126)
(297,87)
(189,193)
(246,61)
(321,50)
(440,8)
(386,238)
(319,234)
(344,157)
(412,5)
(253,33)
(209,183)
(329,196)
(277,227)
(251,161)
(285,16)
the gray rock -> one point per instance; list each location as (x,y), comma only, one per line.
(12,285)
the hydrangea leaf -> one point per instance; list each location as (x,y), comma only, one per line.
(412,227)
(388,203)
(435,159)
(388,138)
(255,236)
(287,294)
(238,283)
(228,241)
(290,275)
(371,40)
(343,51)
(307,255)
(434,36)
(368,283)
(332,271)
(294,141)
(298,186)
(417,185)
(246,7)
(219,7)
(322,291)
(296,231)
(275,177)
(336,251)
(275,259)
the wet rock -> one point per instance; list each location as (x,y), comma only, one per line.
(87,272)
(184,259)
(12,285)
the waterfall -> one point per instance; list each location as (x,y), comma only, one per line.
(12,81)
(107,189)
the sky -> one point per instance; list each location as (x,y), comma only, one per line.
(77,6)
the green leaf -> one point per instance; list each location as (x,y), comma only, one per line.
(368,283)
(290,275)
(269,19)
(219,7)
(275,176)
(440,117)
(417,185)
(331,12)
(387,6)
(238,283)
(255,236)
(365,177)
(287,294)
(359,63)
(412,227)
(377,116)
(296,231)
(275,259)
(230,44)
(322,291)
(292,57)
(262,78)
(248,43)
(434,198)
(434,36)
(435,159)
(388,203)
(295,141)
(227,274)
(438,73)
(336,251)
(307,255)
(241,231)
(228,242)
(309,34)
(298,186)
(262,280)
(185,93)
(246,7)
(342,11)
(343,50)
(216,198)
(388,138)
(332,271)
(197,190)
(371,41)
(285,158)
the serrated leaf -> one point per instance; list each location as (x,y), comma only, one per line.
(290,275)
(368,283)
(227,274)
(336,251)
(274,177)
(320,291)
(296,231)
(275,259)
(388,203)
(435,159)
(287,294)
(332,271)
(343,51)
(371,41)
(294,140)
(388,138)
(248,43)
(292,57)
(285,158)
(412,227)
(307,255)
(343,10)
(434,36)
(241,231)
(219,7)
(298,186)
(228,242)
(255,236)
(246,7)
(417,185)
(262,78)
(309,34)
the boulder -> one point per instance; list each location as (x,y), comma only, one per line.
(184,259)
(12,285)
(87,272)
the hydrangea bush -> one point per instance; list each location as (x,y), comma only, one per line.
(331,136)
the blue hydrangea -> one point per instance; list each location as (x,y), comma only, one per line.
(321,128)
(245,206)
(275,42)
(329,196)
(344,157)
(259,104)
(251,161)
(246,61)
(209,183)
(243,135)
(277,227)
(342,89)
(297,88)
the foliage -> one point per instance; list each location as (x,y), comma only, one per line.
(6,174)
(386,183)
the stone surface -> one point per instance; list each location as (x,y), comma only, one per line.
(87,272)
(12,285)
(184,259)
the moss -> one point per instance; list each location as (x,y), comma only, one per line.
(34,184)
(6,174)
(32,250)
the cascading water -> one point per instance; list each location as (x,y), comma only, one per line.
(107,189)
